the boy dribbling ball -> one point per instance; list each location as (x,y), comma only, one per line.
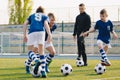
(104,28)
(48,46)
(38,24)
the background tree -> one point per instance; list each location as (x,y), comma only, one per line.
(19,10)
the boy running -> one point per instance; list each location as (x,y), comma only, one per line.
(38,23)
(49,46)
(104,28)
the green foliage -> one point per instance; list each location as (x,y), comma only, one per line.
(13,69)
(19,10)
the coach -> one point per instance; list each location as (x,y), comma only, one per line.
(82,24)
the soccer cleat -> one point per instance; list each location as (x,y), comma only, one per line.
(27,69)
(105,62)
(47,69)
(85,64)
(36,67)
(43,74)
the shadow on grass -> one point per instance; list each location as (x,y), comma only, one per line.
(92,74)
(59,76)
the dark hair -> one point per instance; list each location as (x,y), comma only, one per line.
(82,4)
(40,9)
(51,15)
(103,11)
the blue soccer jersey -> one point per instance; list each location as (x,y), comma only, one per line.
(104,29)
(36,22)
(52,29)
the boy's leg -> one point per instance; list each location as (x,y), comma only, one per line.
(27,65)
(106,49)
(104,59)
(28,61)
(32,39)
(34,58)
(42,60)
(50,56)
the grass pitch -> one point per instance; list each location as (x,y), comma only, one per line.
(13,69)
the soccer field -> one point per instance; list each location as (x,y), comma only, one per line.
(13,69)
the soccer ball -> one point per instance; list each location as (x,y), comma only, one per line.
(38,73)
(79,63)
(100,69)
(66,69)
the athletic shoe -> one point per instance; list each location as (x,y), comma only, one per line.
(27,69)
(85,64)
(105,62)
(36,67)
(43,74)
(46,68)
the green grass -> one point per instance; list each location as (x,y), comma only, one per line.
(13,69)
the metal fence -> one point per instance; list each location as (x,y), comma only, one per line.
(11,40)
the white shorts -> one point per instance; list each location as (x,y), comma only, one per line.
(36,38)
(101,42)
(46,44)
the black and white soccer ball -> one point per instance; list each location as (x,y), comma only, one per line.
(100,69)
(66,69)
(38,73)
(79,63)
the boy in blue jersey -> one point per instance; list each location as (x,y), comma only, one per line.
(38,23)
(49,46)
(104,28)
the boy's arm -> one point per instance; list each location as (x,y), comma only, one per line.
(25,30)
(90,31)
(48,31)
(115,36)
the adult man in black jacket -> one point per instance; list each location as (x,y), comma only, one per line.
(82,24)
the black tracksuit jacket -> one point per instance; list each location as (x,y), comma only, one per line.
(82,23)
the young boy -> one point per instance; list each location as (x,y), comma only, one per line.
(49,46)
(38,23)
(104,28)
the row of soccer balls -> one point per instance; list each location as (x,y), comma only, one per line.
(66,69)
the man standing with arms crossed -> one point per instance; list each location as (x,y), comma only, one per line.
(82,24)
